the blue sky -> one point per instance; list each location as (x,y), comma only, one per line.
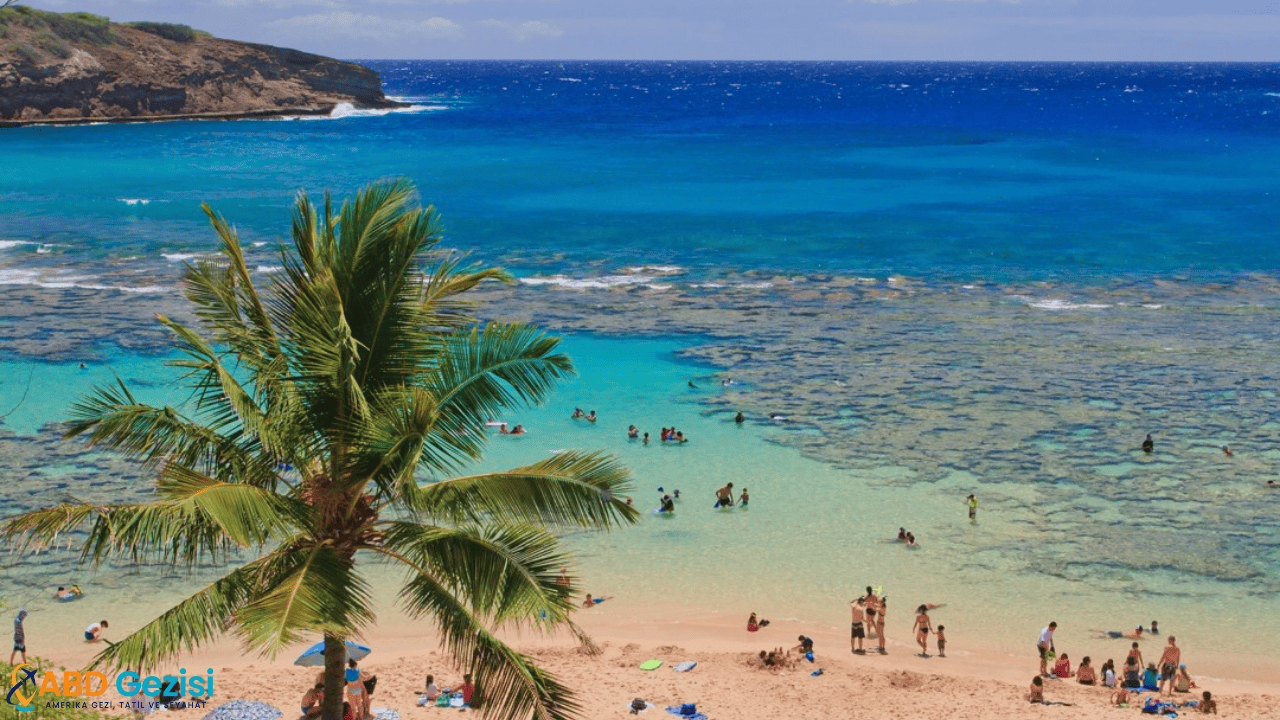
(732,29)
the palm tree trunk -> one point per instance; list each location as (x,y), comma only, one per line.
(335,686)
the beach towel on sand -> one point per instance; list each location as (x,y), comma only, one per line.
(687,710)
(685,666)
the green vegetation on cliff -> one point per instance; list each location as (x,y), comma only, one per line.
(29,35)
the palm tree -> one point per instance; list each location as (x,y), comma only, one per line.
(361,370)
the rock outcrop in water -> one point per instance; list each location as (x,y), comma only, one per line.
(77,67)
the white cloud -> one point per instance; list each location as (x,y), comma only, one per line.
(527,30)
(368,27)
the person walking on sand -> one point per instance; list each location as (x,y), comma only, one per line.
(972,502)
(1169,661)
(19,637)
(1045,646)
(857,630)
(921,628)
(884,610)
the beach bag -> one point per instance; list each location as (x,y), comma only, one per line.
(689,709)
(638,704)
(370,684)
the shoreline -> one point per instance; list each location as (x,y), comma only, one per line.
(967,683)
(230,115)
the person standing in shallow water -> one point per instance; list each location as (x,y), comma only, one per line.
(1148,445)
(972,502)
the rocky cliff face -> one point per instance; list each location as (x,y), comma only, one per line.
(51,72)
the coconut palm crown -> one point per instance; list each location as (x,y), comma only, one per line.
(327,409)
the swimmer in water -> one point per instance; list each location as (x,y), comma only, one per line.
(577,413)
(592,416)
(633,432)
(1226,451)
(743,499)
(1117,635)
(1148,445)
(911,540)
(668,505)
(902,534)
(517,430)
(692,386)
(646,438)
(739,418)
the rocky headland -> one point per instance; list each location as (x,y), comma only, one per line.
(78,67)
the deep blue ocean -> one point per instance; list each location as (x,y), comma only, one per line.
(919,281)
(1007,171)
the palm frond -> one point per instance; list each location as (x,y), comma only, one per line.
(511,686)
(199,618)
(310,588)
(506,573)
(247,513)
(476,375)
(568,489)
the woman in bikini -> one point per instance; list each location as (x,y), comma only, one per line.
(873,609)
(921,628)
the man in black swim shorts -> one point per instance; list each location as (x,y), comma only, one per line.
(856,630)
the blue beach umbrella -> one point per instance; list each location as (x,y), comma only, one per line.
(314,656)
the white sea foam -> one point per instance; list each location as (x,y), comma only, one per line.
(58,281)
(135,201)
(1056,304)
(755,286)
(180,257)
(347,110)
(660,269)
(605,281)
(269,268)
(7,244)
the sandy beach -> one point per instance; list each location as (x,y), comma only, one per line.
(968,683)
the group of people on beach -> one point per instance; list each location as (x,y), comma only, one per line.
(359,685)
(1164,677)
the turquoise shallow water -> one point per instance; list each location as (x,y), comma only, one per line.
(815,534)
